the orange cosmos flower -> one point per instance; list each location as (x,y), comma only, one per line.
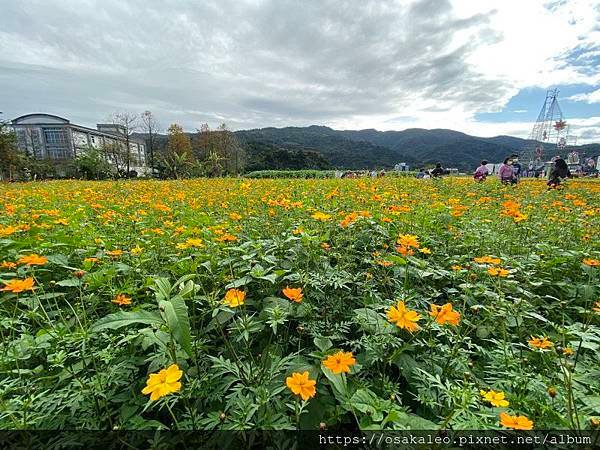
(33,260)
(540,343)
(596,307)
(405,251)
(444,314)
(487,260)
(7,265)
(456,267)
(294,294)
(408,241)
(403,318)
(163,383)
(340,362)
(384,262)
(8,230)
(498,272)
(515,422)
(122,300)
(114,253)
(227,238)
(301,385)
(234,298)
(591,262)
(17,286)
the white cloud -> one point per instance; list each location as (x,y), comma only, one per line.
(590,97)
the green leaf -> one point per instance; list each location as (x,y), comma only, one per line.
(125,318)
(396,259)
(239,282)
(175,313)
(272,277)
(69,282)
(368,403)
(323,344)
(372,322)
(338,383)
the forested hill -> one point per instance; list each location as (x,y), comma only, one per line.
(316,147)
(416,146)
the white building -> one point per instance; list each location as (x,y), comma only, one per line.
(45,136)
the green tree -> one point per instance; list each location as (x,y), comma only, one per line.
(179,158)
(91,165)
(11,160)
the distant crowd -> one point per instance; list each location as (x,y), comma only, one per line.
(510,171)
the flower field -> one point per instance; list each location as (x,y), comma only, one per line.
(387,303)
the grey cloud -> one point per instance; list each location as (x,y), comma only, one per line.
(255,63)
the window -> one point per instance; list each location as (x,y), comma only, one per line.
(57,143)
(56,137)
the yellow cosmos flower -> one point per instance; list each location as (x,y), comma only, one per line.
(234,298)
(403,318)
(320,216)
(163,383)
(495,398)
(340,362)
(301,385)
(515,422)
(294,294)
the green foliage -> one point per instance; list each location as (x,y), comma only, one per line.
(91,165)
(78,348)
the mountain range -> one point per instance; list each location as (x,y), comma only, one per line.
(373,149)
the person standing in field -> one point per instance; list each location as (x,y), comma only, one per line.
(482,172)
(506,173)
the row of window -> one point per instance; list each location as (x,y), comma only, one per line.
(58,144)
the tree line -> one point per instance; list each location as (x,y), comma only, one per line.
(207,152)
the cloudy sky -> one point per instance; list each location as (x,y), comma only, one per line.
(482,67)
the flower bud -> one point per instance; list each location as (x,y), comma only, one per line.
(222,417)
(552,391)
(322,426)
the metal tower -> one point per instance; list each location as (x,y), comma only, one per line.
(549,129)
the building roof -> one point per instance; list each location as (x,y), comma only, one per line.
(40,119)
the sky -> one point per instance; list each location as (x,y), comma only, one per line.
(480,67)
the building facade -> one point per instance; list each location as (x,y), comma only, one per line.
(45,136)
